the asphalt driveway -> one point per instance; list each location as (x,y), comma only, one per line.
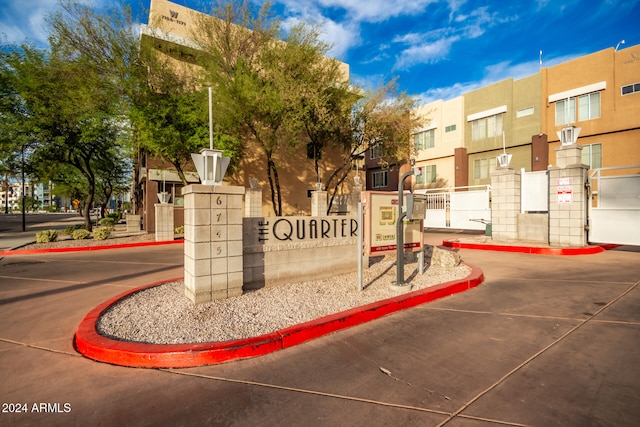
(546,340)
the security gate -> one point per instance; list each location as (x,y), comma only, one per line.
(614,205)
(466,210)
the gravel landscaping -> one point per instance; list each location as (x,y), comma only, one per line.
(163,315)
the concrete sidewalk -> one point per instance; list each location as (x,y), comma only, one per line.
(546,340)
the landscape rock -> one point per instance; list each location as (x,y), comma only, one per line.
(444,258)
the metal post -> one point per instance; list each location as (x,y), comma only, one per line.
(210,120)
(24,219)
(360,236)
(399,231)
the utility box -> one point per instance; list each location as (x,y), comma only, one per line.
(416,206)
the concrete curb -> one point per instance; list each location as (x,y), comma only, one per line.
(585,250)
(92,345)
(86,248)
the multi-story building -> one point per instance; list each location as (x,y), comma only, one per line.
(43,193)
(170,30)
(598,93)
(499,118)
(11,194)
(438,146)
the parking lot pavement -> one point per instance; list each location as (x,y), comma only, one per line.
(545,341)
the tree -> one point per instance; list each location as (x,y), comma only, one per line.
(267,90)
(72,116)
(113,177)
(354,122)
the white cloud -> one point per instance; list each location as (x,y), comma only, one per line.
(435,45)
(492,74)
(25,19)
(339,36)
(374,10)
(424,53)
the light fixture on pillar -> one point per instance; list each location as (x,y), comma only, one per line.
(504,159)
(569,135)
(210,164)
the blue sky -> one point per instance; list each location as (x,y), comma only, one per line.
(438,49)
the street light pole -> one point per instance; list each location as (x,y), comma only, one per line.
(24,220)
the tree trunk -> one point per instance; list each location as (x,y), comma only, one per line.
(335,190)
(274,186)
(86,211)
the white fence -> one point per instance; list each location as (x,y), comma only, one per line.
(467,210)
(614,206)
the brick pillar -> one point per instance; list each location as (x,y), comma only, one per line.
(164,221)
(318,203)
(212,242)
(505,204)
(253,203)
(568,199)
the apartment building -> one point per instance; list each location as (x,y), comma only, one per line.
(600,94)
(597,93)
(439,148)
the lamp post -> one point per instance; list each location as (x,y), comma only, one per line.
(210,164)
(24,219)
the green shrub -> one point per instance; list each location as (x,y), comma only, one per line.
(46,236)
(179,230)
(70,229)
(80,234)
(108,222)
(102,233)
(117,216)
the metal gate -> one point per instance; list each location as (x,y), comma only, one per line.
(614,205)
(466,210)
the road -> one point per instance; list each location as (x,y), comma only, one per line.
(546,341)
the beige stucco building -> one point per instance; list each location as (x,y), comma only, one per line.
(437,143)
(171,30)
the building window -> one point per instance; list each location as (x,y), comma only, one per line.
(565,111)
(450,128)
(486,127)
(427,175)
(380,179)
(424,140)
(589,106)
(629,89)
(592,155)
(524,112)
(482,168)
(375,152)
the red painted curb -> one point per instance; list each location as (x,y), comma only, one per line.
(586,250)
(86,248)
(140,355)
